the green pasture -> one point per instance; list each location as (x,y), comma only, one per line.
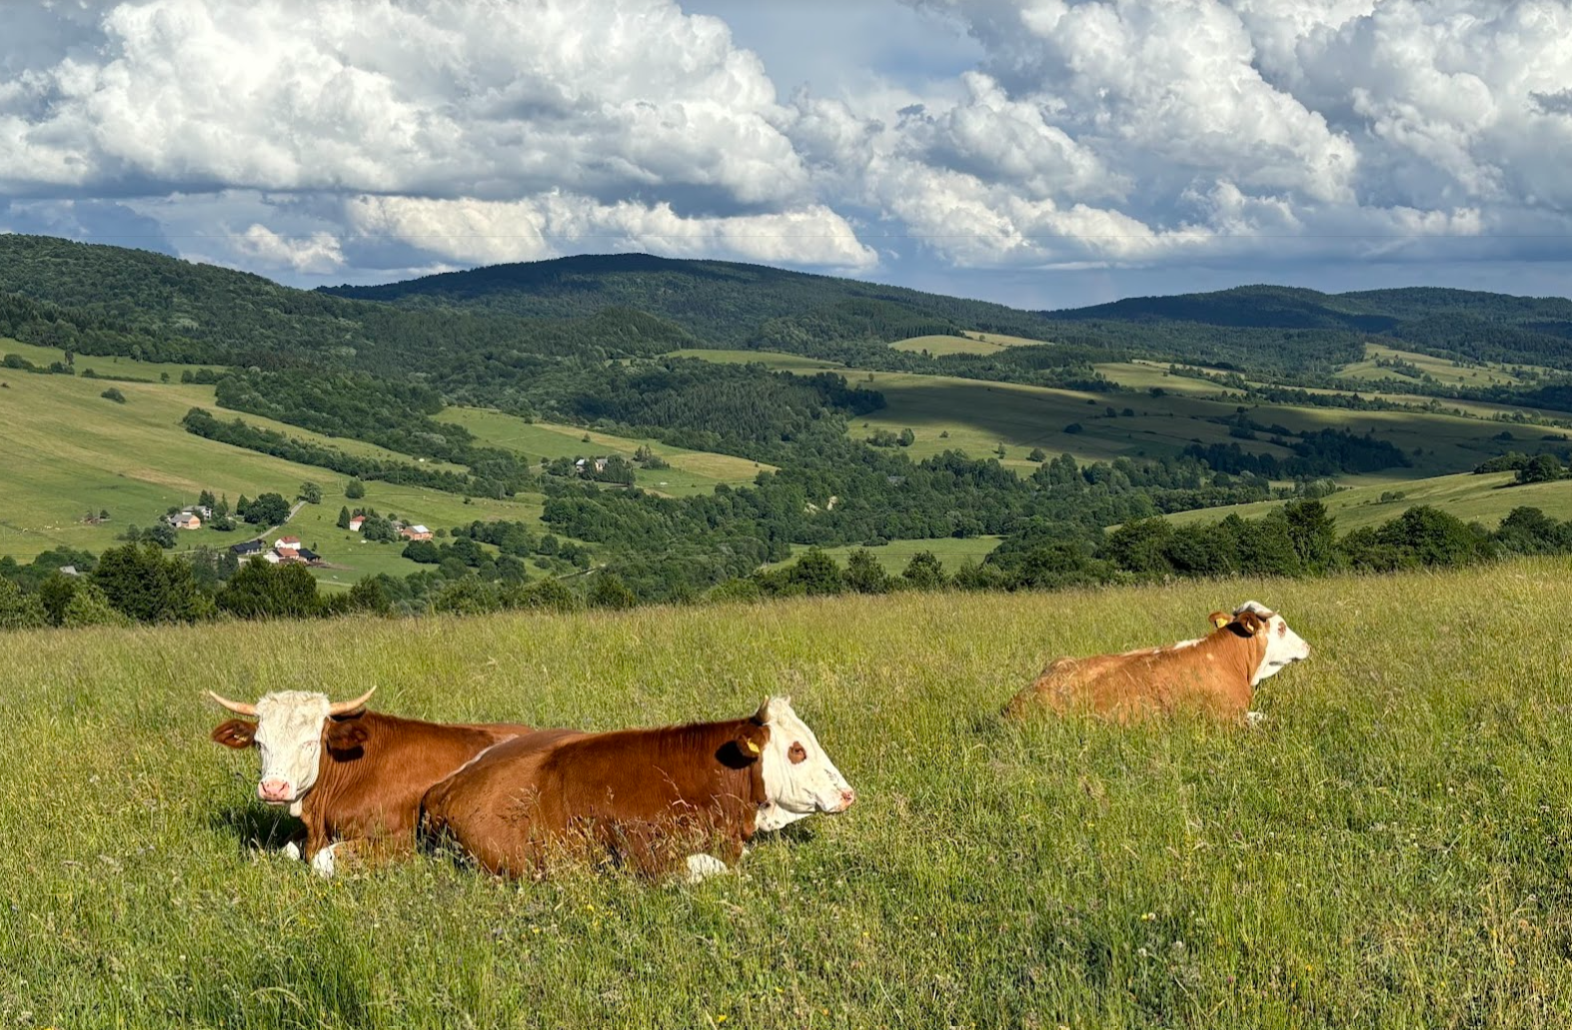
(71,451)
(1444,370)
(971,343)
(1389,849)
(978,416)
(777,360)
(896,554)
(691,472)
(98,363)
(938,346)
(1486,498)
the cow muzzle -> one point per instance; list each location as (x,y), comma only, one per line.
(276,792)
(842,803)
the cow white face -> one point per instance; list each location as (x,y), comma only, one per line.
(799,778)
(288,734)
(1283,645)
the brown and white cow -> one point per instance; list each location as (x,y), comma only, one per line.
(1217,673)
(655,800)
(355,778)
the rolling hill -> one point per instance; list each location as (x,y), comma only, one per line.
(750,393)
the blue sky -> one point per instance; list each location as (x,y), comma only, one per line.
(1044,153)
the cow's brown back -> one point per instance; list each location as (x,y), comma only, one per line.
(371,791)
(644,798)
(1211,675)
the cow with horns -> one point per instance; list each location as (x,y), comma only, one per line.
(354,777)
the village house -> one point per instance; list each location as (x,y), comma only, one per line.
(248,549)
(415,532)
(356,522)
(184,520)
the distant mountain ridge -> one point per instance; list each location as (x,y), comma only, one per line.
(1298,307)
(107,299)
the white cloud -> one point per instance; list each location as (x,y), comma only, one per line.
(489,232)
(356,135)
(317,253)
(441,97)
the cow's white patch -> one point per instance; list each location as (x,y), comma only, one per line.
(702,867)
(1283,645)
(322,862)
(1186,643)
(797,789)
(289,737)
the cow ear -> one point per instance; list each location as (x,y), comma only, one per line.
(346,735)
(1250,623)
(747,746)
(236,733)
(1219,619)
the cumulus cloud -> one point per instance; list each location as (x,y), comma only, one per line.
(454,97)
(318,253)
(489,232)
(341,136)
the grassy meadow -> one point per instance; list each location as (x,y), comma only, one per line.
(1392,848)
(691,472)
(976,416)
(1443,370)
(969,343)
(896,554)
(70,451)
(1484,498)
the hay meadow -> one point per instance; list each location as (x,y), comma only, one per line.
(1392,848)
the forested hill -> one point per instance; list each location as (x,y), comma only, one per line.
(725,303)
(98,299)
(1463,323)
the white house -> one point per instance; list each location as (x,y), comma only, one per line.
(356,522)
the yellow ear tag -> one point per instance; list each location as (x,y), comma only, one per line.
(751,746)
(1220,621)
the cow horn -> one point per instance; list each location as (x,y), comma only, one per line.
(234,706)
(345,707)
(762,716)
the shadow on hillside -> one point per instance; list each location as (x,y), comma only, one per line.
(256,826)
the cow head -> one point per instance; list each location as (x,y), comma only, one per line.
(290,728)
(1282,646)
(799,778)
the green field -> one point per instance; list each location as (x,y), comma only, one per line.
(1444,370)
(938,346)
(691,472)
(1389,850)
(99,364)
(70,451)
(772,359)
(895,555)
(1487,499)
(949,413)
(1145,375)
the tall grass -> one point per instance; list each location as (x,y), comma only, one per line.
(1391,849)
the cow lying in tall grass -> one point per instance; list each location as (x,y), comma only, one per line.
(1217,674)
(354,777)
(679,799)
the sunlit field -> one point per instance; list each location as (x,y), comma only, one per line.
(1391,849)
